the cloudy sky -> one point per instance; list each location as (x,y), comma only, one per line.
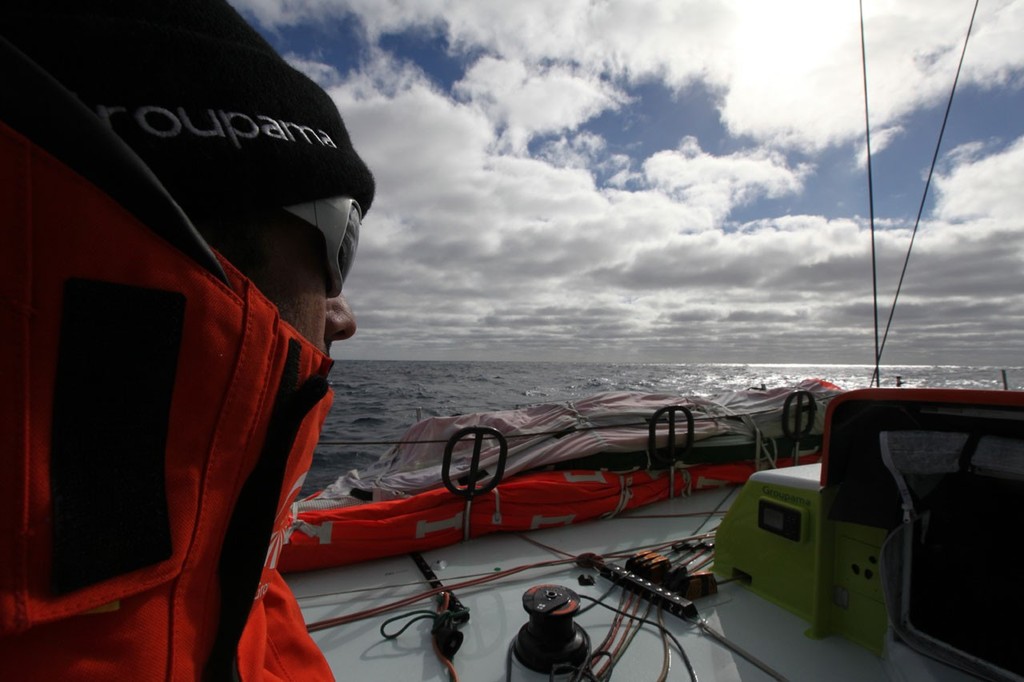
(637,180)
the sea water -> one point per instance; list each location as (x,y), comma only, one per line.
(376,401)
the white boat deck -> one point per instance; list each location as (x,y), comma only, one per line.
(357,651)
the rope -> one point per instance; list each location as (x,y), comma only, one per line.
(708,417)
(441,618)
(663,630)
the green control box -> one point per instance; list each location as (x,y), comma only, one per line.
(777,538)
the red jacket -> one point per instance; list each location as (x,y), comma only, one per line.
(156,420)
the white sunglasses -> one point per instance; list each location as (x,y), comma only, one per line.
(338,219)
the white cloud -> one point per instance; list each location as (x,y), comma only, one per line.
(984,187)
(532,101)
(798,76)
(584,150)
(423,147)
(324,74)
(788,72)
(581,248)
(719,183)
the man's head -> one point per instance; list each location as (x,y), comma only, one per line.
(248,146)
(291,262)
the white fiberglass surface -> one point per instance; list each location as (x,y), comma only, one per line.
(503,567)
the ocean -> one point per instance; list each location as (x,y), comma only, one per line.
(376,401)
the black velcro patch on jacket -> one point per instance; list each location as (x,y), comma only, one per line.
(116,367)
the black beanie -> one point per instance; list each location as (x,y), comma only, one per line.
(217,114)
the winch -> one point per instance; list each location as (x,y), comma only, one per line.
(550,639)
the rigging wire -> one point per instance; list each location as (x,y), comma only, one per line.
(880,343)
(924,196)
(871,186)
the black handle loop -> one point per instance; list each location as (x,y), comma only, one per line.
(670,457)
(799,428)
(480,432)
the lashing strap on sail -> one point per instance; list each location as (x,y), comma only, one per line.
(799,428)
(670,456)
(472,477)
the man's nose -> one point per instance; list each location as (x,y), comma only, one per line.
(340,323)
